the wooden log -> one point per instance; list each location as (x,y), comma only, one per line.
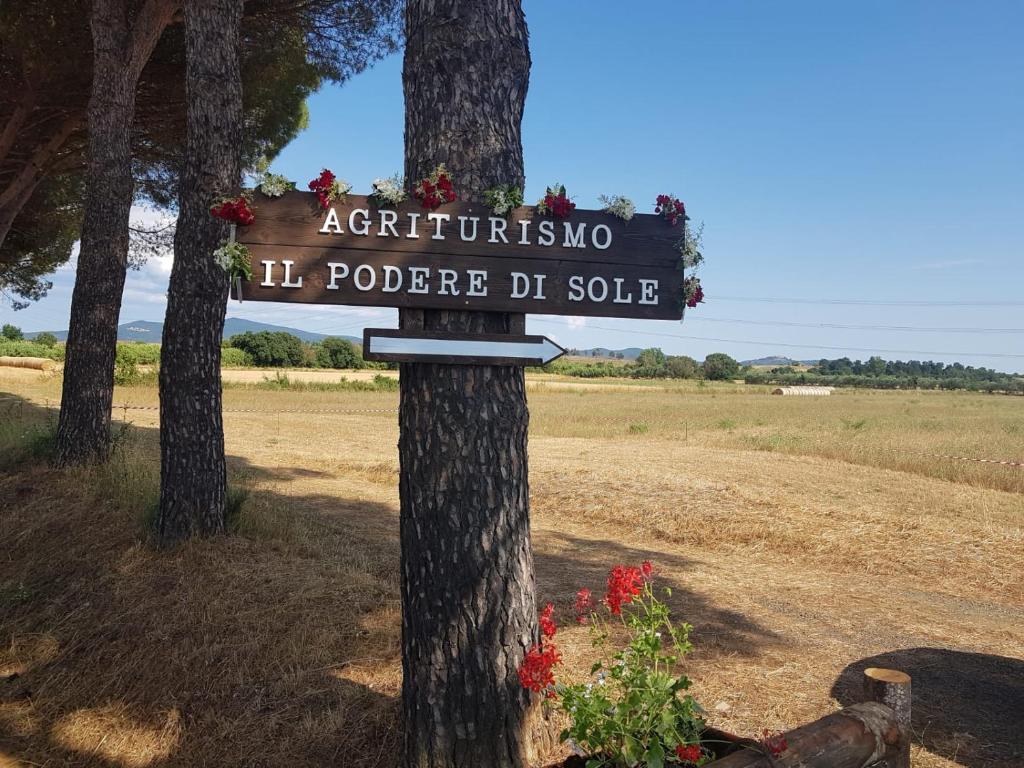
(862,735)
(892,688)
(35,363)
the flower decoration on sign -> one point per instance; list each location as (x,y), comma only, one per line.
(329,188)
(693,294)
(670,208)
(634,710)
(689,245)
(234,259)
(389,191)
(555,202)
(435,190)
(503,199)
(234,210)
(619,206)
(274,184)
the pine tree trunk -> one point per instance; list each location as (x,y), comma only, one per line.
(121,49)
(83,432)
(467,566)
(193,478)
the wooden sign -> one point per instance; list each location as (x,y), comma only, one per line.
(463,257)
(399,346)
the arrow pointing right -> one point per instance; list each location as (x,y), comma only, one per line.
(400,346)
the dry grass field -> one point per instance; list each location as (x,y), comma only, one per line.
(804,538)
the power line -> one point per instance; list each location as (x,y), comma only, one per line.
(857,327)
(874,303)
(791,346)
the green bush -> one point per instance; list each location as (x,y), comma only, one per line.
(271,349)
(30,349)
(232,357)
(719,366)
(333,352)
(138,353)
(12,332)
(46,338)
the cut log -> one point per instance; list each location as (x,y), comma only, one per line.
(862,735)
(892,688)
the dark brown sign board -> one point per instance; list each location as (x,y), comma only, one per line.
(461,256)
(402,346)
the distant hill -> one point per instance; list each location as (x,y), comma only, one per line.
(147,330)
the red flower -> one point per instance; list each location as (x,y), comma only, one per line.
(435,190)
(325,187)
(547,623)
(236,211)
(646,569)
(670,208)
(689,753)
(774,743)
(624,583)
(559,205)
(583,606)
(535,673)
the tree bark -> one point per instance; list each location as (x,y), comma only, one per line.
(467,565)
(193,477)
(120,50)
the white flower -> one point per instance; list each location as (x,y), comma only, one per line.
(274,185)
(390,191)
(222,257)
(620,206)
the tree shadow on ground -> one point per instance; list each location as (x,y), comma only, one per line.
(967,707)
(277,647)
(565,563)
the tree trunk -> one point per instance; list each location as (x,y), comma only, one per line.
(193,479)
(467,566)
(83,432)
(120,50)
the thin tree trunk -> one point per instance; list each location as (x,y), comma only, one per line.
(83,432)
(468,606)
(120,50)
(193,477)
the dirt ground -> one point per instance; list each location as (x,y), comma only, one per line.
(279,645)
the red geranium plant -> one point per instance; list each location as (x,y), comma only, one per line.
(436,190)
(556,202)
(635,710)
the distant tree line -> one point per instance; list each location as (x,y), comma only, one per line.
(652,363)
(876,373)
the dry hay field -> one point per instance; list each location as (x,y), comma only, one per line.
(804,538)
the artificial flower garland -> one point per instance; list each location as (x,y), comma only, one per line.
(670,208)
(503,199)
(329,188)
(556,202)
(233,257)
(619,206)
(436,189)
(389,191)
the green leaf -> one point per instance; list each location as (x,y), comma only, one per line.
(596,667)
(655,756)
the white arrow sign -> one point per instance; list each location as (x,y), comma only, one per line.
(397,346)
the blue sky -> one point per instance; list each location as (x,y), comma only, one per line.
(869,151)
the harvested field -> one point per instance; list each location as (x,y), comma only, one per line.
(804,539)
